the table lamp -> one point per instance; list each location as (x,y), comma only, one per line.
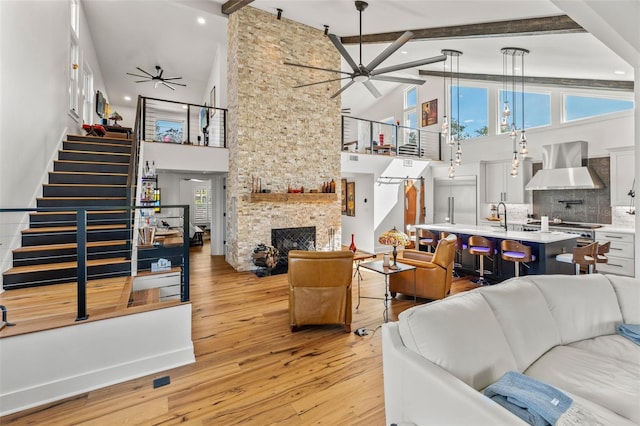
(394,238)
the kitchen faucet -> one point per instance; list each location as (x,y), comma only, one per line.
(505,213)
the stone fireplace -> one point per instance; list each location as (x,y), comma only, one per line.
(284,137)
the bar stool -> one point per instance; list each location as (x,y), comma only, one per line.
(482,247)
(426,239)
(513,251)
(459,248)
(601,255)
(582,257)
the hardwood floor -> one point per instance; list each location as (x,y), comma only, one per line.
(250,369)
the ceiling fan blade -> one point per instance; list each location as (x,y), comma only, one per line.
(137,75)
(412,64)
(160,74)
(177,84)
(372,89)
(140,69)
(142,81)
(336,42)
(405,37)
(397,79)
(316,68)
(165,84)
(320,82)
(345,87)
(172,78)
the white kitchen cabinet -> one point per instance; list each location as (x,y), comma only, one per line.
(621,254)
(499,185)
(622,175)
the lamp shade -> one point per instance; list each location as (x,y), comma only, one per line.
(394,238)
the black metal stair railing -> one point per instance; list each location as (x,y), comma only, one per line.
(77,258)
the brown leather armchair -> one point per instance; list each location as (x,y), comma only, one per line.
(320,288)
(433,274)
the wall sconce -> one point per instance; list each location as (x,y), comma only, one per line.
(279,14)
(326,30)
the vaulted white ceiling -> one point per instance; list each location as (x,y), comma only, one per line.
(143,33)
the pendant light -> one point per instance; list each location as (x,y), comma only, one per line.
(510,77)
(447,129)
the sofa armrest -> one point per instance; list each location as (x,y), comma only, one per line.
(420,392)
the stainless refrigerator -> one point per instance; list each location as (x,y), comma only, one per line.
(455,200)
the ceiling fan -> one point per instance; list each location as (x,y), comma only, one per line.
(158,79)
(364,74)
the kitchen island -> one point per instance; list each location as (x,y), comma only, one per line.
(544,246)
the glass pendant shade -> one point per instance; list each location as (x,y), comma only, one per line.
(445,126)
(513,79)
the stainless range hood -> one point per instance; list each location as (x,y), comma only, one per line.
(562,168)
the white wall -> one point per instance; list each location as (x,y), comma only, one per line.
(384,207)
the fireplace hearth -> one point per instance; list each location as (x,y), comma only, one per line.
(286,239)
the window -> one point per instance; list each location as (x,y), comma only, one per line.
(87,94)
(202,201)
(410,115)
(578,107)
(75,17)
(73,76)
(169,131)
(474,111)
(537,109)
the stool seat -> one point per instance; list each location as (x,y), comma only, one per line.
(481,247)
(427,240)
(516,252)
(585,256)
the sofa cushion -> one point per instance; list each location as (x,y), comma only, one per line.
(524,315)
(613,346)
(628,293)
(461,335)
(607,382)
(583,306)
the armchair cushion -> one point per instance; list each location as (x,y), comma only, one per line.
(433,274)
(320,288)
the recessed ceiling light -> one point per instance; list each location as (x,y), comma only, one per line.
(201,20)
(184,107)
(404,52)
(619,72)
(127,98)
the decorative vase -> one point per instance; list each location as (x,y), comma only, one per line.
(353,247)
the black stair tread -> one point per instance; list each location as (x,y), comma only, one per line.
(59,172)
(100,185)
(64,265)
(81,198)
(101,163)
(28,249)
(75,151)
(74,212)
(98,138)
(119,145)
(71,228)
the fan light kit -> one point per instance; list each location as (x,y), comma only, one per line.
(158,79)
(364,74)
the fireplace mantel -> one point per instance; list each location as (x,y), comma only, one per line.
(307,197)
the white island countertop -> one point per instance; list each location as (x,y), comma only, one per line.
(493,232)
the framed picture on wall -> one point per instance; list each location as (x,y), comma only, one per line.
(343,206)
(429,113)
(351,198)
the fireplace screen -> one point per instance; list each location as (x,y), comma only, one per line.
(285,239)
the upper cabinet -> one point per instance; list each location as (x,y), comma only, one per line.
(622,175)
(499,185)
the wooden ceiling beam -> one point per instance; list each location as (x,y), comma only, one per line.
(560,24)
(232,5)
(626,86)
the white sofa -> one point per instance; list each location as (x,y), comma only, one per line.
(558,329)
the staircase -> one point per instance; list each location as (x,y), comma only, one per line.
(90,171)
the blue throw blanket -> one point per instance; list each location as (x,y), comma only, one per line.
(534,402)
(630,331)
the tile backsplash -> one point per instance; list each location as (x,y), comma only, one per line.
(595,207)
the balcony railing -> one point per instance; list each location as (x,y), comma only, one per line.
(161,120)
(375,137)
(84,247)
